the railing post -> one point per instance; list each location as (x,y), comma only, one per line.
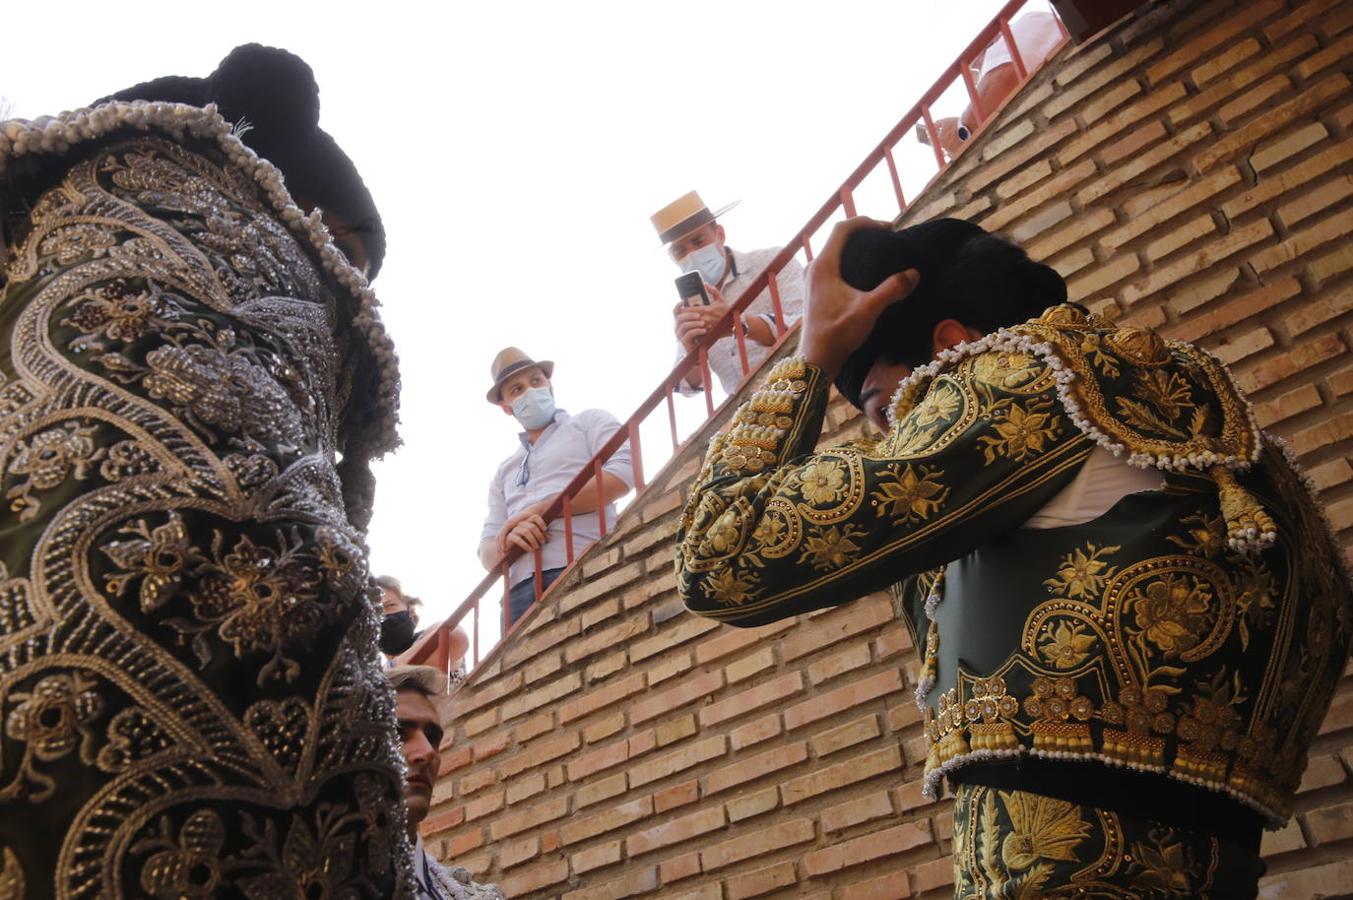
(601,495)
(897,179)
(973,97)
(773,285)
(568,527)
(848,201)
(636,456)
(705,379)
(1015,56)
(934,133)
(671,418)
(507,599)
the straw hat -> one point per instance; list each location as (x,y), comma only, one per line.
(507,363)
(683,215)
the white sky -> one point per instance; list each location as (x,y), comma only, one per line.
(516,150)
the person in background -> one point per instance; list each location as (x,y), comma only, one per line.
(554,448)
(1132,613)
(423,712)
(1037,34)
(696,243)
(399,624)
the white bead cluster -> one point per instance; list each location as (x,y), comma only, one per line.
(57,134)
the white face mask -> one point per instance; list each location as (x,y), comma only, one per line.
(535,408)
(710,261)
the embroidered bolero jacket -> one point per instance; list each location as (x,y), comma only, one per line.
(1196,632)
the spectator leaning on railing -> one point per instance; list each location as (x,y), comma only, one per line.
(695,241)
(555,447)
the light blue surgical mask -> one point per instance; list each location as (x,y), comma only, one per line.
(535,408)
(710,261)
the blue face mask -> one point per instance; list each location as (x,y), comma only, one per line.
(535,408)
(709,261)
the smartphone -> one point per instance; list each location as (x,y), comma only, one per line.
(691,288)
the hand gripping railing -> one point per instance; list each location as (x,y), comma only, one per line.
(439,643)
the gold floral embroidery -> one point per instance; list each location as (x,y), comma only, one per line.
(1021,431)
(1172,612)
(1041,828)
(50,721)
(48,459)
(823,482)
(909,497)
(832,547)
(159,556)
(186,865)
(1082,574)
(1067,644)
(732,586)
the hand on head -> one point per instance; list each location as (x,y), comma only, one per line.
(837,318)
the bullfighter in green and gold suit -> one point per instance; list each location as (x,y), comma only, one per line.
(1131,610)
(193,380)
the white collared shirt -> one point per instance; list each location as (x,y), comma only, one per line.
(543,469)
(723,356)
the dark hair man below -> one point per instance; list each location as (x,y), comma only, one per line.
(1132,614)
(422,709)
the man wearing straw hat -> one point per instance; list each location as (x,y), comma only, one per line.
(555,447)
(695,241)
(423,711)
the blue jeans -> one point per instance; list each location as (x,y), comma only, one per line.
(523,593)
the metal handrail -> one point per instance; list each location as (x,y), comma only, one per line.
(843,200)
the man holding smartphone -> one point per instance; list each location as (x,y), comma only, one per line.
(695,241)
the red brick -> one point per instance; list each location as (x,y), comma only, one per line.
(543,666)
(1187,200)
(477,725)
(460,844)
(837,625)
(1080,228)
(847,735)
(752,699)
(1234,24)
(534,879)
(1053,188)
(604,728)
(903,715)
(687,691)
(755,767)
(597,698)
(525,703)
(442,821)
(1330,824)
(1330,431)
(456,759)
(873,806)
(601,789)
(606,639)
(684,866)
(747,666)
(1294,359)
(588,764)
(675,730)
(735,639)
(525,788)
(1276,843)
(469,701)
(892,886)
(1238,347)
(519,820)
(670,667)
(1334,472)
(1198,261)
(675,831)
(477,809)
(756,843)
(1235,309)
(877,845)
(891,642)
(492,745)
(831,778)
(477,781)
(540,754)
(1263,125)
(829,703)
(678,761)
(514,853)
(1296,18)
(635,881)
(676,795)
(933,875)
(520,649)
(747,806)
(688,628)
(533,727)
(1102,276)
(848,660)
(1287,405)
(595,857)
(760,881)
(611,819)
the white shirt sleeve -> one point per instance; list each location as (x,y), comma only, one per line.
(497,516)
(600,426)
(790,281)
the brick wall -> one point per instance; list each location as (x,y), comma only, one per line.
(1190,171)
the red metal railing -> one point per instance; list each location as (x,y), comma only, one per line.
(435,645)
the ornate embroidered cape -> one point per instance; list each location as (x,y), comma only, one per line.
(191,702)
(1196,632)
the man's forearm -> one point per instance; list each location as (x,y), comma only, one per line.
(585,501)
(488,554)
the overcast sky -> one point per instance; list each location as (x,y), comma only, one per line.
(516,151)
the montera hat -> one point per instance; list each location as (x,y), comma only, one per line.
(272,97)
(980,279)
(683,215)
(507,363)
(426,680)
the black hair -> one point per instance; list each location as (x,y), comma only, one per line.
(981,280)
